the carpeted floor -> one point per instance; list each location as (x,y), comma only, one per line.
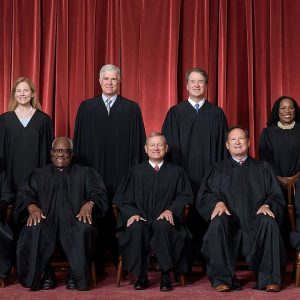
(198,287)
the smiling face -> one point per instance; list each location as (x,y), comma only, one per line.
(286,111)
(61,154)
(156,148)
(109,82)
(23,93)
(237,143)
(196,86)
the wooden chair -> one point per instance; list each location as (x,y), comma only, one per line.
(291,189)
(62,265)
(120,273)
(7,220)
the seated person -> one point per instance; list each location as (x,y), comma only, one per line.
(242,199)
(60,201)
(6,236)
(151,199)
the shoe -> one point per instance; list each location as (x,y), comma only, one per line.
(165,282)
(141,284)
(273,287)
(48,281)
(71,282)
(222,288)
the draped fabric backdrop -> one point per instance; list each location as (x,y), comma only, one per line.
(250,49)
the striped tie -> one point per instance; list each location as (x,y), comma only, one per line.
(197,106)
(107,104)
(156,168)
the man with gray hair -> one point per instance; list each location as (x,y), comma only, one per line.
(109,136)
(59,204)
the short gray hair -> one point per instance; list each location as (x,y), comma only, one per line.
(63,138)
(156,133)
(110,68)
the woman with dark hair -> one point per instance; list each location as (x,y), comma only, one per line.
(280,146)
(25,134)
(280,141)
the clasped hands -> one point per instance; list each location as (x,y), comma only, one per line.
(36,215)
(167,214)
(221,208)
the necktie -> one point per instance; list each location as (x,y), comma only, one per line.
(107,104)
(156,168)
(197,106)
(241,162)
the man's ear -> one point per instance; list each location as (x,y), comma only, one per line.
(227,146)
(145,147)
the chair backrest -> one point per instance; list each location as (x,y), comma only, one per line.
(291,188)
(9,212)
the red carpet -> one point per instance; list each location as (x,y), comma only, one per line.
(198,287)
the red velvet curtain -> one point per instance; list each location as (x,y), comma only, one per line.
(250,49)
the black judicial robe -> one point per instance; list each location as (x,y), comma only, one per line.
(6,235)
(244,189)
(281,149)
(196,141)
(60,195)
(24,148)
(112,143)
(295,235)
(148,193)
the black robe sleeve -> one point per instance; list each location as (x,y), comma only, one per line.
(146,193)
(265,150)
(171,131)
(27,194)
(96,191)
(208,195)
(124,199)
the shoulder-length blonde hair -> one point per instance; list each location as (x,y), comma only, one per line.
(12,100)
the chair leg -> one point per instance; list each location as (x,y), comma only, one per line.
(94,277)
(119,272)
(297,269)
(2,283)
(181,280)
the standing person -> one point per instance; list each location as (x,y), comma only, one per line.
(195,132)
(25,133)
(151,198)
(109,136)
(242,201)
(279,145)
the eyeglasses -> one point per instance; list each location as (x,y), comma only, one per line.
(63,151)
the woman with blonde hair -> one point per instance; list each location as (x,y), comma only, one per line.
(25,133)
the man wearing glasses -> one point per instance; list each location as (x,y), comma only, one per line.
(59,202)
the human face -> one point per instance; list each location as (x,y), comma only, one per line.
(196,86)
(156,148)
(237,143)
(23,93)
(109,83)
(286,111)
(61,154)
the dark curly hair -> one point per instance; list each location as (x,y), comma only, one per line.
(274,116)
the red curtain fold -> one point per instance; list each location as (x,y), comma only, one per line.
(250,49)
